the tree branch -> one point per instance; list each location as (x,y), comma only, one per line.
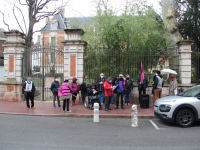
(4,20)
(23,18)
(17,19)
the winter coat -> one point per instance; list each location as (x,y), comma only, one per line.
(54,87)
(100,86)
(120,87)
(75,87)
(144,85)
(65,89)
(24,87)
(108,91)
(128,86)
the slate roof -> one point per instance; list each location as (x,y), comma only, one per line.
(61,24)
(2,35)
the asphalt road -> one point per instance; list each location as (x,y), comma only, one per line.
(19,132)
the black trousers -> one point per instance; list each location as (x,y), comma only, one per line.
(66,104)
(30,96)
(122,101)
(107,102)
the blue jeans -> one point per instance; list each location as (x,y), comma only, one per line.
(101,96)
(127,98)
(112,99)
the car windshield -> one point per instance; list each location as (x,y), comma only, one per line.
(190,92)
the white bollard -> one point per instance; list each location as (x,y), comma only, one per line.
(96,112)
(134,116)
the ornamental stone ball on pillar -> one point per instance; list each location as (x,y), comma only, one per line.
(73,54)
(185,61)
(13,54)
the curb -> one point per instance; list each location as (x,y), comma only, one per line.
(79,115)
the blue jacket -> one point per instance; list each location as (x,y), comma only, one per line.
(120,87)
(54,86)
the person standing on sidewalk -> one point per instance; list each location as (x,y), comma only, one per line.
(100,82)
(172,85)
(75,90)
(157,86)
(142,85)
(108,90)
(66,95)
(120,91)
(54,89)
(29,91)
(83,89)
(128,88)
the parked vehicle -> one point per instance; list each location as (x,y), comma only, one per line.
(182,109)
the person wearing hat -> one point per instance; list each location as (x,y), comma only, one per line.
(28,90)
(75,90)
(65,95)
(54,89)
(100,83)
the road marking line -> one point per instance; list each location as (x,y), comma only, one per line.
(154,125)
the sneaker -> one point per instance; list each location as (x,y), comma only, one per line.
(128,103)
(106,109)
(69,111)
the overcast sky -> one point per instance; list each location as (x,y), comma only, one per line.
(78,8)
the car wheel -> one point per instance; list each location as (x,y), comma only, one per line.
(184,118)
(86,102)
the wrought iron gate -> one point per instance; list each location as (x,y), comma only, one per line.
(42,64)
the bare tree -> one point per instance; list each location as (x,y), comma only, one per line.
(37,10)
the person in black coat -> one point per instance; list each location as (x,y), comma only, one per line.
(83,88)
(28,90)
(54,89)
(142,85)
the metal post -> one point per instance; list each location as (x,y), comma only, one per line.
(134,116)
(43,70)
(96,112)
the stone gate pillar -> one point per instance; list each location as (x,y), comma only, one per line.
(13,54)
(73,54)
(185,61)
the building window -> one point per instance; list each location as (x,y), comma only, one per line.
(54,25)
(53,41)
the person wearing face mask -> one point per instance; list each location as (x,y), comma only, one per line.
(172,85)
(100,82)
(120,91)
(157,86)
(75,90)
(108,90)
(54,89)
(128,88)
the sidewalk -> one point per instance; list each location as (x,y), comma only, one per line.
(46,109)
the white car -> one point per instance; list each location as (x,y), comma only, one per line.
(182,109)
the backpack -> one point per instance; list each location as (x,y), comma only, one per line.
(129,84)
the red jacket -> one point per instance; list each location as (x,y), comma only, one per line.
(108,91)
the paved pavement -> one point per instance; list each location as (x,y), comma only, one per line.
(45,108)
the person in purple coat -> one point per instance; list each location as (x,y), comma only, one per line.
(75,90)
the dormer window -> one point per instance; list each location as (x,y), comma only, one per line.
(54,25)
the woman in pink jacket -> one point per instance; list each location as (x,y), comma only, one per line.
(108,92)
(65,94)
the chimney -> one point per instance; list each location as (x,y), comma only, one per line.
(46,20)
(62,12)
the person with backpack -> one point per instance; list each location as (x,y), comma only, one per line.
(83,89)
(127,90)
(157,86)
(29,91)
(75,90)
(54,89)
(120,91)
(65,92)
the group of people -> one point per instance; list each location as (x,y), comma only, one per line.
(110,90)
